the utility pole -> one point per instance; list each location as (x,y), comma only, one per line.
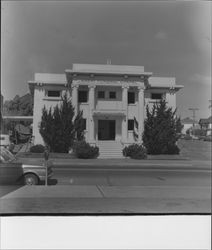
(194,114)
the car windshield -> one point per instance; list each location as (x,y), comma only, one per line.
(6,155)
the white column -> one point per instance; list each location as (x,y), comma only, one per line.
(91,101)
(140,112)
(125,108)
(74,98)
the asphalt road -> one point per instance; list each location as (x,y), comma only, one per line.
(133,177)
(141,190)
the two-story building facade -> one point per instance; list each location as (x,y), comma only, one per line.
(113,99)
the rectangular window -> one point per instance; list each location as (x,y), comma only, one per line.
(130,124)
(82,96)
(101,94)
(156,96)
(84,124)
(53,93)
(112,95)
(131,97)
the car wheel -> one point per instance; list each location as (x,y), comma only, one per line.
(30,179)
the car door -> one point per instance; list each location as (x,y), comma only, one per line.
(10,172)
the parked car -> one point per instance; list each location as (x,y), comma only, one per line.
(29,171)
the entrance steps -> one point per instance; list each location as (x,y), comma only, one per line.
(109,149)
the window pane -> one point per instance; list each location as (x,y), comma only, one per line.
(101,94)
(131,97)
(82,96)
(112,95)
(130,124)
(53,93)
(156,96)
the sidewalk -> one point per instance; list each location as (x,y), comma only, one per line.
(107,200)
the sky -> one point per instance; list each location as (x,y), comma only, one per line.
(168,38)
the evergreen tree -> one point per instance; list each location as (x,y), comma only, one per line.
(59,129)
(161,130)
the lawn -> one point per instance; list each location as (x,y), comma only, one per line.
(195,149)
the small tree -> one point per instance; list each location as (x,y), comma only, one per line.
(59,129)
(161,130)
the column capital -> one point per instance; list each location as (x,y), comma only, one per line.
(141,88)
(92,86)
(75,86)
(125,86)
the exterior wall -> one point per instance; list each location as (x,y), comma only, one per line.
(38,105)
(171,100)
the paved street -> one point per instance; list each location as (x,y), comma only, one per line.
(183,188)
(157,174)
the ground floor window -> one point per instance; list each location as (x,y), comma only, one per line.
(130,124)
(84,124)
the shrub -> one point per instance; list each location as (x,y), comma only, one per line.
(187,137)
(135,151)
(37,148)
(84,150)
(59,126)
(199,132)
(161,130)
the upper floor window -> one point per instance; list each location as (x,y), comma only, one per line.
(112,95)
(156,96)
(131,97)
(130,124)
(53,93)
(101,94)
(82,96)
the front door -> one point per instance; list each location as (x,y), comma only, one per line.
(106,130)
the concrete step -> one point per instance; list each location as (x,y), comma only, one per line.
(110,150)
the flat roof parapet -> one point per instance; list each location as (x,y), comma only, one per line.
(48,77)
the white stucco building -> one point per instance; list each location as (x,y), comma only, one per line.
(112,97)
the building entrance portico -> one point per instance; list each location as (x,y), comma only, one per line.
(106,130)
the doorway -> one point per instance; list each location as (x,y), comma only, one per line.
(106,130)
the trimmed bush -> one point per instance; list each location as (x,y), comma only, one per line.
(84,150)
(135,151)
(187,137)
(37,148)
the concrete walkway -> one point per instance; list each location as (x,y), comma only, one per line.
(107,199)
